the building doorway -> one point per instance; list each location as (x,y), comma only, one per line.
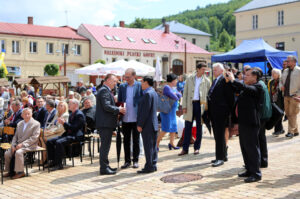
(177,67)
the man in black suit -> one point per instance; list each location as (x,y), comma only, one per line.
(220,102)
(147,124)
(73,132)
(17,115)
(248,111)
(51,112)
(41,111)
(106,120)
(89,112)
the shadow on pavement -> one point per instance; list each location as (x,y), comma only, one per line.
(284,182)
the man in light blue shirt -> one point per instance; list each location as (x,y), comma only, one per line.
(130,93)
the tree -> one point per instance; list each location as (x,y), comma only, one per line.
(101,61)
(225,40)
(2,73)
(138,23)
(203,26)
(51,69)
(215,26)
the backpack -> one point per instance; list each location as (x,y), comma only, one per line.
(266,112)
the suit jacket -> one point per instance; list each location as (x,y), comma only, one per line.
(76,124)
(188,95)
(39,115)
(17,119)
(90,114)
(294,82)
(221,99)
(137,93)
(106,109)
(249,103)
(28,137)
(50,120)
(147,117)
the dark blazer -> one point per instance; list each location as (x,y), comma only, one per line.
(106,109)
(249,103)
(76,124)
(221,99)
(90,114)
(137,93)
(17,119)
(53,113)
(147,118)
(39,115)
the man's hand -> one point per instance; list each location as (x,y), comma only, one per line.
(297,99)
(19,146)
(184,111)
(139,129)
(122,110)
(61,120)
(229,76)
(13,149)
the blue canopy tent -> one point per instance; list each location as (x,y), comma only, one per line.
(256,50)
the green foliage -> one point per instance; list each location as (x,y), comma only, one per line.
(225,39)
(211,19)
(101,61)
(51,69)
(2,74)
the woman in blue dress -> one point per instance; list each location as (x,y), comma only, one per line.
(168,121)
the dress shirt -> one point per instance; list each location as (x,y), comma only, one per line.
(198,81)
(130,115)
(25,125)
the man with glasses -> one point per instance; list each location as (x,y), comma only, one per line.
(130,93)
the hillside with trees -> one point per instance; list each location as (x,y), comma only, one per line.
(216,19)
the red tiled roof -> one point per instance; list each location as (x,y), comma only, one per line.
(64,32)
(164,42)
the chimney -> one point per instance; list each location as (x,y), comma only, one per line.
(30,20)
(122,24)
(163,21)
(167,28)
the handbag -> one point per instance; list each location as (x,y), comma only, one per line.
(277,114)
(164,104)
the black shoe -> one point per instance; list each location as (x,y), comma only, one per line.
(107,171)
(277,133)
(296,134)
(143,171)
(264,165)
(289,135)
(218,163)
(126,165)
(252,179)
(58,167)
(244,174)
(213,161)
(113,169)
(135,165)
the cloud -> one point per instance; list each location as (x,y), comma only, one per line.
(152,1)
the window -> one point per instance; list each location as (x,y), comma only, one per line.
(108,37)
(130,39)
(113,59)
(152,41)
(254,22)
(194,40)
(126,59)
(63,47)
(33,47)
(280,18)
(77,49)
(2,45)
(145,40)
(280,45)
(117,38)
(15,47)
(49,48)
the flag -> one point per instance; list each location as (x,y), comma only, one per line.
(2,62)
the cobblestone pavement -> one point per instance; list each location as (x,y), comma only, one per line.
(281,180)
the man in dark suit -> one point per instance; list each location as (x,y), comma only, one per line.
(89,112)
(106,120)
(248,111)
(147,124)
(17,115)
(220,102)
(41,111)
(73,132)
(51,112)
(130,93)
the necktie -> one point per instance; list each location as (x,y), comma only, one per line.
(287,84)
(212,86)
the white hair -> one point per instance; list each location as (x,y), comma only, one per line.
(27,109)
(277,71)
(75,101)
(220,65)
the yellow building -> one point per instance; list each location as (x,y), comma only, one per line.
(30,47)
(276,21)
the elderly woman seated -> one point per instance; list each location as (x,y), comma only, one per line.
(55,129)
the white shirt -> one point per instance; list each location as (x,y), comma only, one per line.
(25,125)
(198,81)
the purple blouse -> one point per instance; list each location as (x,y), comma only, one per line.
(169,92)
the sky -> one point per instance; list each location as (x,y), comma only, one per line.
(97,12)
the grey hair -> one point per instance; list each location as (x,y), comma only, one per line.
(75,101)
(293,57)
(220,65)
(131,70)
(277,71)
(27,109)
